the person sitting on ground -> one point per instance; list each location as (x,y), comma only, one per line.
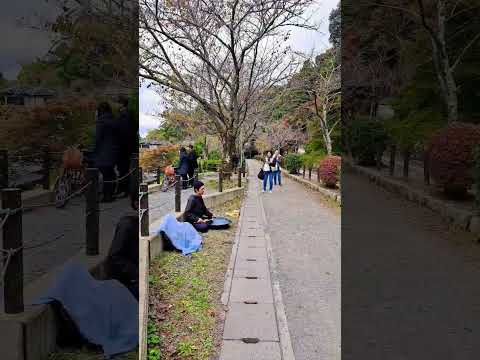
(196,211)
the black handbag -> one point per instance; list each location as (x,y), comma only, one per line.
(261,174)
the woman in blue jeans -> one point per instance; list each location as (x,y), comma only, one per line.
(277,173)
(268,173)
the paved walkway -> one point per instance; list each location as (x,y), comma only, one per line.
(289,249)
(409,284)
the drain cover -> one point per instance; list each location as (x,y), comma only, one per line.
(250,302)
(250,340)
(251,277)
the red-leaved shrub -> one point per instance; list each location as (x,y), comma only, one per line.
(330,170)
(451,157)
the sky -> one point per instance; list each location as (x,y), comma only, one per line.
(301,40)
(19,43)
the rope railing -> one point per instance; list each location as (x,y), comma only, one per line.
(11,215)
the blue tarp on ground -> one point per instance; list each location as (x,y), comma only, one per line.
(182,234)
(105,312)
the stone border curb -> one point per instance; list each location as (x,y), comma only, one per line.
(464,219)
(317,187)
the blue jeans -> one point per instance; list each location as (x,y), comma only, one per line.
(277,177)
(268,177)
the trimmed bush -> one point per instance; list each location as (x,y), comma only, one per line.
(367,138)
(293,163)
(330,170)
(451,153)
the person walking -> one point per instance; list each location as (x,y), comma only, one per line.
(106,148)
(183,167)
(277,173)
(267,170)
(192,163)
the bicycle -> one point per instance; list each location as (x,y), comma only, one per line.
(169,179)
(72,176)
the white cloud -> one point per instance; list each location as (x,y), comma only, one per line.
(148,122)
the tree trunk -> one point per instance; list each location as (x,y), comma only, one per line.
(229,146)
(406,163)
(393,151)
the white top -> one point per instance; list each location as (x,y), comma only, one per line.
(266,166)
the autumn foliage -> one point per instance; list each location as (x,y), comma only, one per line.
(158,158)
(451,154)
(329,169)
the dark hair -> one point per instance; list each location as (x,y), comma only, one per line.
(182,149)
(190,146)
(104,108)
(197,184)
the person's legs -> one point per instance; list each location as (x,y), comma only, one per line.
(271,180)
(279,175)
(190,176)
(203,228)
(265,179)
(108,186)
(184,181)
(123,168)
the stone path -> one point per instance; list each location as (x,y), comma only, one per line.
(409,283)
(260,274)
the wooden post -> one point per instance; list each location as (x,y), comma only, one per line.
(144,220)
(304,169)
(318,174)
(158,175)
(46,169)
(92,218)
(393,152)
(239,184)
(244,169)
(195,174)
(12,239)
(309,173)
(3,169)
(426,168)
(178,193)
(406,163)
(378,160)
(220,180)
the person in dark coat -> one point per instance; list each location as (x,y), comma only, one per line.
(196,211)
(106,148)
(183,167)
(126,136)
(193,164)
(122,260)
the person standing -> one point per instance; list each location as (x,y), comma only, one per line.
(183,167)
(106,148)
(193,164)
(126,133)
(267,170)
(277,173)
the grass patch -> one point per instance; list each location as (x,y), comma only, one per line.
(186,316)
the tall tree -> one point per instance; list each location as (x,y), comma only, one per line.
(222,55)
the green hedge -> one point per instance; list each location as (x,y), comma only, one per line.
(208,165)
(293,163)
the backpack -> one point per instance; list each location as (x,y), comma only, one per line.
(261,174)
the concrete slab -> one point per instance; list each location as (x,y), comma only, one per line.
(245,252)
(238,350)
(252,268)
(251,321)
(259,290)
(250,242)
(12,334)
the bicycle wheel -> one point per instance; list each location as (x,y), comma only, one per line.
(164,186)
(61,191)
